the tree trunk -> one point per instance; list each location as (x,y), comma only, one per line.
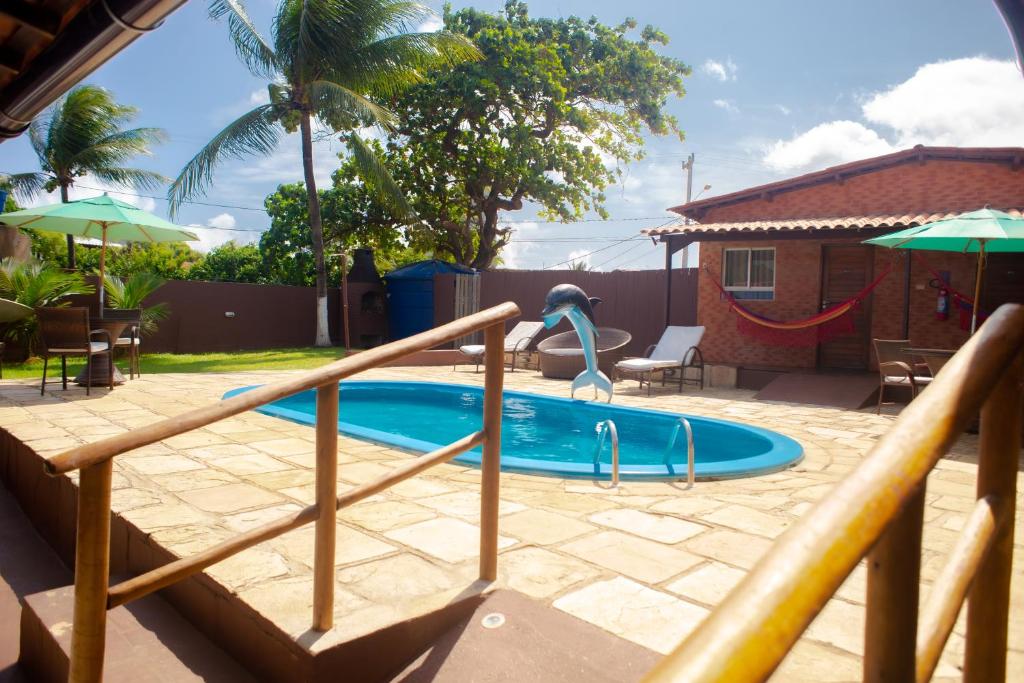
(72,264)
(323,334)
(485,251)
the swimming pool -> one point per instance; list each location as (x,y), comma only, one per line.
(545,434)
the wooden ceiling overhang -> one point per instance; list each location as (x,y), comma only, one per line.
(47,46)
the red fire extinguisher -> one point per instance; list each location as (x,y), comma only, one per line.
(942,305)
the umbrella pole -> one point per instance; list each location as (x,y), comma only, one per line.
(103,259)
(977,287)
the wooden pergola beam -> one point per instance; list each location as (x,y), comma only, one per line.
(31,16)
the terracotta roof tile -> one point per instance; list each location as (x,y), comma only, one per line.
(839,223)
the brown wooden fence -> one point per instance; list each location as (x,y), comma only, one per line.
(632,300)
(227,316)
(232,316)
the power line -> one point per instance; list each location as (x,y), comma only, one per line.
(619,255)
(583,256)
(263,210)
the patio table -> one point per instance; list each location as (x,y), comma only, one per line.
(98,378)
(934,358)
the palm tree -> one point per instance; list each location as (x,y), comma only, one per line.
(333,61)
(81,134)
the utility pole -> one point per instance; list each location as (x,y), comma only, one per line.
(688,167)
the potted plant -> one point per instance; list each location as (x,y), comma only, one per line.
(130,292)
(35,285)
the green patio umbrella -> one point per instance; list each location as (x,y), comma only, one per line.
(981,232)
(103,218)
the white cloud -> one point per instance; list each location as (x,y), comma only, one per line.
(222,220)
(219,230)
(963,102)
(723,71)
(434,23)
(260,96)
(284,165)
(973,101)
(654,186)
(783,109)
(727,105)
(580,256)
(517,252)
(825,145)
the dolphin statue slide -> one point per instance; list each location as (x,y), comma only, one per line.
(569,301)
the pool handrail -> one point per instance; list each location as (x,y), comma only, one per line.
(93,595)
(877,512)
(606,427)
(672,438)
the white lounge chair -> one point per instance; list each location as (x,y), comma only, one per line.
(677,351)
(517,342)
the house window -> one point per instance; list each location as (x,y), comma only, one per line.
(749,273)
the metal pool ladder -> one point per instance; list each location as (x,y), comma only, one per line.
(603,429)
(685,424)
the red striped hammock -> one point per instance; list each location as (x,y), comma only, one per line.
(833,322)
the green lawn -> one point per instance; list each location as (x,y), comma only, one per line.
(274,359)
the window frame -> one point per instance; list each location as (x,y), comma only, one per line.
(750,261)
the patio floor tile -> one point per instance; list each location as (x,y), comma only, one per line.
(730,547)
(635,612)
(242,465)
(541,573)
(406,576)
(349,545)
(708,584)
(230,498)
(543,527)
(749,520)
(161,464)
(655,527)
(386,515)
(451,540)
(638,558)
(465,504)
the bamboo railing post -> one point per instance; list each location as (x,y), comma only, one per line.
(326,503)
(490,465)
(894,574)
(92,574)
(988,605)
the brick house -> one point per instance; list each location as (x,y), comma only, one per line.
(786,248)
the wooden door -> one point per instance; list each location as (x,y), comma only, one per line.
(846,270)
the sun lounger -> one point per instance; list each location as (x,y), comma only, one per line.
(676,351)
(517,343)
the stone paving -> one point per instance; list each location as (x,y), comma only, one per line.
(646,561)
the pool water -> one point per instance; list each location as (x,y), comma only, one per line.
(545,434)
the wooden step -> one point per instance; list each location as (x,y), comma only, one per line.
(147,641)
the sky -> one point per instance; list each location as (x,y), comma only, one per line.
(777,89)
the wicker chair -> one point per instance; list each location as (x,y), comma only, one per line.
(561,356)
(132,340)
(65,332)
(897,368)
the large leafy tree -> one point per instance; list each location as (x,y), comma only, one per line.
(330,61)
(550,115)
(350,216)
(230,262)
(82,134)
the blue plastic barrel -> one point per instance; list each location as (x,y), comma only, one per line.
(411,296)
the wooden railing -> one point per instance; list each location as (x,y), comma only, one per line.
(94,596)
(877,511)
